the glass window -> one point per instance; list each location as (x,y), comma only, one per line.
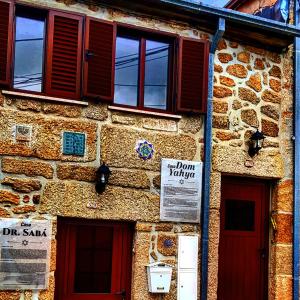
(156,74)
(29,52)
(142,72)
(239,215)
(126,71)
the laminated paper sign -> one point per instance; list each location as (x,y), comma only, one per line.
(24,253)
(181,186)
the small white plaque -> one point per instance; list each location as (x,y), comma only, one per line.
(24,254)
(181,188)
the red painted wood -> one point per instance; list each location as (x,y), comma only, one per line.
(242,268)
(100,39)
(6,33)
(66,259)
(64,55)
(192,75)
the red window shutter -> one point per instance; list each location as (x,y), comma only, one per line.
(64,55)
(192,75)
(99,59)
(6,21)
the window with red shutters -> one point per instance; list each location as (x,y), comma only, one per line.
(100,37)
(192,75)
(6,20)
(64,55)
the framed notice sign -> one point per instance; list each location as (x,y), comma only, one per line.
(181,186)
(24,253)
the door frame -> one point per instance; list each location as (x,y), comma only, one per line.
(121,265)
(265,227)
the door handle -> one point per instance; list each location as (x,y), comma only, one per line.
(122,293)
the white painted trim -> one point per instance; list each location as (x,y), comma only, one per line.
(144,112)
(46,98)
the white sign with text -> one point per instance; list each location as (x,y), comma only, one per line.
(24,253)
(181,189)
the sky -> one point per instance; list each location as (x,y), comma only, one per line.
(219,3)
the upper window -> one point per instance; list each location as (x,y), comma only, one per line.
(29,51)
(42,51)
(142,71)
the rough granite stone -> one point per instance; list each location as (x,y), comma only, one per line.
(9,197)
(72,199)
(227,135)
(159,124)
(270,111)
(76,172)
(275,85)
(218,68)
(48,293)
(244,57)
(237,70)
(70,111)
(249,116)
(270,96)
(129,178)
(30,105)
(269,128)
(264,166)
(10,295)
(163,227)
(96,111)
(221,122)
(222,45)
(248,95)
(275,72)
(233,45)
(4,213)
(27,167)
(259,64)
(47,135)
(118,147)
(220,107)
(146,227)
(236,104)
(24,209)
(255,50)
(222,92)
(225,57)
(254,82)
(22,185)
(227,81)
(191,124)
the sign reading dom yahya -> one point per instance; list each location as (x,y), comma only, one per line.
(24,253)
(181,186)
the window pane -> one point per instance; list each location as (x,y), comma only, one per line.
(239,215)
(29,48)
(126,71)
(93,259)
(156,74)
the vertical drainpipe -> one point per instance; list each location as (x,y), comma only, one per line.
(296,231)
(207,160)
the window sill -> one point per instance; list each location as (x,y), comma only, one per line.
(45,98)
(144,112)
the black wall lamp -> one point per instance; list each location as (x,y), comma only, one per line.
(256,141)
(102,176)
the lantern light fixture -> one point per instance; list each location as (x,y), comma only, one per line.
(256,141)
(102,176)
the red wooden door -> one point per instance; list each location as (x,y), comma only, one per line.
(93,260)
(243,248)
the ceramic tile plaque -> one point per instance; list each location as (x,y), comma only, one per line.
(73,143)
(181,188)
(24,254)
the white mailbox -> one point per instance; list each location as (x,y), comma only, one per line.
(159,277)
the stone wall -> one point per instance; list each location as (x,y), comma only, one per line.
(252,90)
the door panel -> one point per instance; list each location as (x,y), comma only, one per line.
(243,240)
(93,260)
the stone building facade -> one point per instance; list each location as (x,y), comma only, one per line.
(252,90)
